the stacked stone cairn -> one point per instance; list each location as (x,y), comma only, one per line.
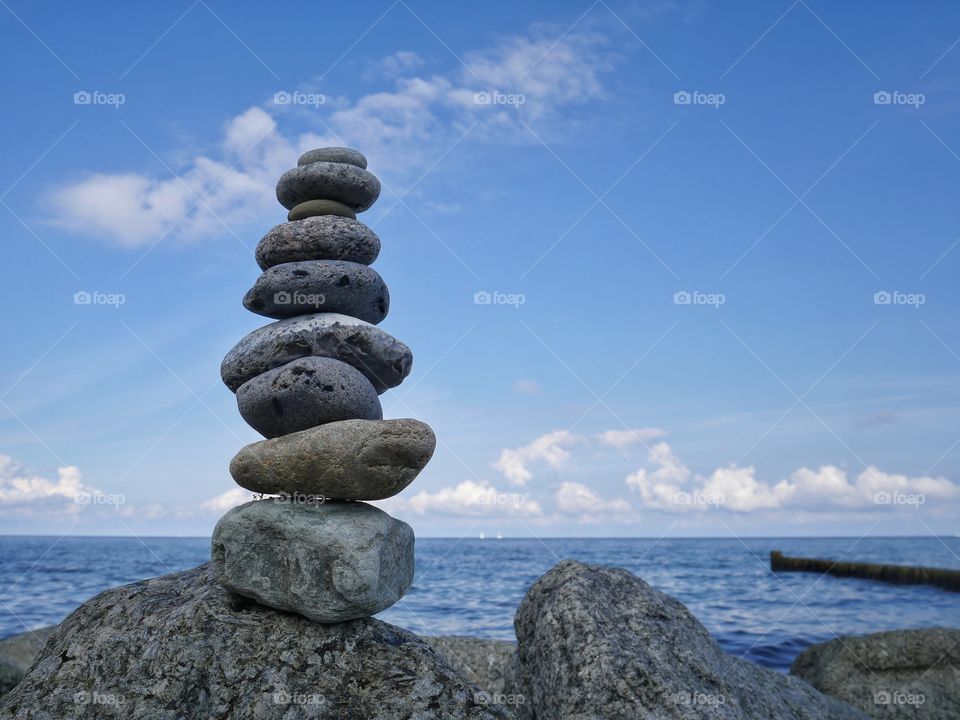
(310,383)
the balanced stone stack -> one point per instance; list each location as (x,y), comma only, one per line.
(310,383)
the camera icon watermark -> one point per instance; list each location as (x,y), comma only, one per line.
(698,498)
(315,100)
(897,497)
(898,697)
(284,697)
(695,97)
(686,297)
(299,498)
(698,699)
(84,297)
(299,298)
(484,297)
(506,499)
(884,297)
(99,498)
(495,97)
(85,697)
(896,97)
(86,97)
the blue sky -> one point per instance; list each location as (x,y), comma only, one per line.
(591,165)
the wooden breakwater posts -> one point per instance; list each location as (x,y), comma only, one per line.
(896,574)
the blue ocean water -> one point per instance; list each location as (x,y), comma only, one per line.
(473,587)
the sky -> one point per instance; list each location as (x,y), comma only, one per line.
(667,269)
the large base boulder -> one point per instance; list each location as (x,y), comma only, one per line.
(896,674)
(180,647)
(596,642)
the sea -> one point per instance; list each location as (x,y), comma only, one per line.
(472,586)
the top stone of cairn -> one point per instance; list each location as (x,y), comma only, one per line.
(335,155)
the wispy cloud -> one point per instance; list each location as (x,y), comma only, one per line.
(401,129)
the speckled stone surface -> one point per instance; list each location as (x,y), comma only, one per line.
(329,561)
(384,360)
(599,642)
(305,393)
(325,237)
(313,286)
(181,647)
(350,460)
(348,184)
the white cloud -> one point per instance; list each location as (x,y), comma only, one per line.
(402,131)
(469,498)
(227,500)
(133,210)
(621,439)
(515,464)
(672,486)
(18,486)
(576,498)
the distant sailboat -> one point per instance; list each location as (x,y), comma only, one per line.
(499,536)
(483,536)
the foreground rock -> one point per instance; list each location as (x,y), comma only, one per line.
(329,561)
(350,459)
(902,673)
(180,647)
(596,642)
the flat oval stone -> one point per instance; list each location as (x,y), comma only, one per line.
(317,208)
(305,393)
(334,154)
(354,187)
(330,562)
(314,286)
(348,460)
(384,360)
(324,237)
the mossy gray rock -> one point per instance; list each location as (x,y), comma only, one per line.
(328,560)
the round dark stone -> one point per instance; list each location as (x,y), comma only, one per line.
(354,187)
(311,286)
(325,237)
(305,393)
